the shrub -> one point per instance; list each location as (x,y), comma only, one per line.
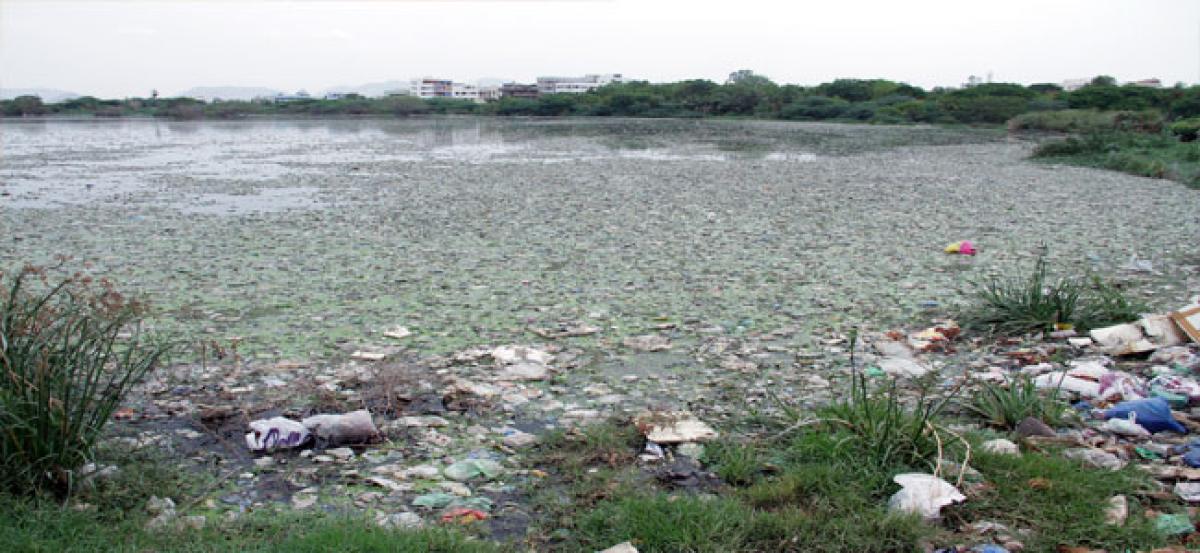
(1186,129)
(1068,120)
(65,365)
(814,107)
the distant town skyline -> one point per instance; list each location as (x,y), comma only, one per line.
(120,49)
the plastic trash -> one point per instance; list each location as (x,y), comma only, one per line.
(623,547)
(1117,510)
(962,247)
(1172,525)
(463,515)
(1095,458)
(355,427)
(1126,427)
(1063,382)
(274,433)
(1119,386)
(924,494)
(1174,387)
(1188,491)
(1192,458)
(433,500)
(471,468)
(1153,414)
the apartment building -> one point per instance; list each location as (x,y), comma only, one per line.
(575,85)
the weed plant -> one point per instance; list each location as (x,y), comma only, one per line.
(64,367)
(1038,302)
(1006,405)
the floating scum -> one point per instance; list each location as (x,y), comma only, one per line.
(466,244)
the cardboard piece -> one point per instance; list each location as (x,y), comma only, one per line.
(1189,321)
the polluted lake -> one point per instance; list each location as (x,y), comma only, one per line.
(482,285)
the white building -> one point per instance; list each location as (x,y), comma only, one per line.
(464,91)
(1075,84)
(430,87)
(576,85)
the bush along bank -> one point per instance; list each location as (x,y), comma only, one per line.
(850,100)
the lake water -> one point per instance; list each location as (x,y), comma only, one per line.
(308,238)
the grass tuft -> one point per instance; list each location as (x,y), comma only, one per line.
(65,365)
(1036,302)
(1006,405)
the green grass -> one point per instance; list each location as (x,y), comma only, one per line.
(1006,405)
(1037,301)
(1158,155)
(1066,508)
(42,527)
(116,517)
(736,463)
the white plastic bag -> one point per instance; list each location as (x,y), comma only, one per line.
(276,432)
(924,494)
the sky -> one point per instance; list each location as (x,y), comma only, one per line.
(118,49)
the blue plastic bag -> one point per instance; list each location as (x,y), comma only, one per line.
(1153,414)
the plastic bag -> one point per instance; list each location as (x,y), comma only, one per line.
(1153,414)
(351,428)
(924,494)
(276,432)
(962,247)
(470,468)
(1126,427)
(1118,386)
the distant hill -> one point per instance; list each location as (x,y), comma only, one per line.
(227,92)
(48,95)
(370,90)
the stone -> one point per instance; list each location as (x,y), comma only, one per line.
(368,356)
(194,522)
(341,453)
(648,342)
(509,355)
(674,428)
(389,484)
(303,501)
(420,472)
(456,488)
(399,520)
(1117,510)
(524,371)
(691,449)
(398,333)
(158,506)
(900,366)
(1000,446)
(1030,426)
(517,439)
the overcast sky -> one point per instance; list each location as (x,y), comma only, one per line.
(115,49)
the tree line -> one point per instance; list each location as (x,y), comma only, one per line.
(755,96)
